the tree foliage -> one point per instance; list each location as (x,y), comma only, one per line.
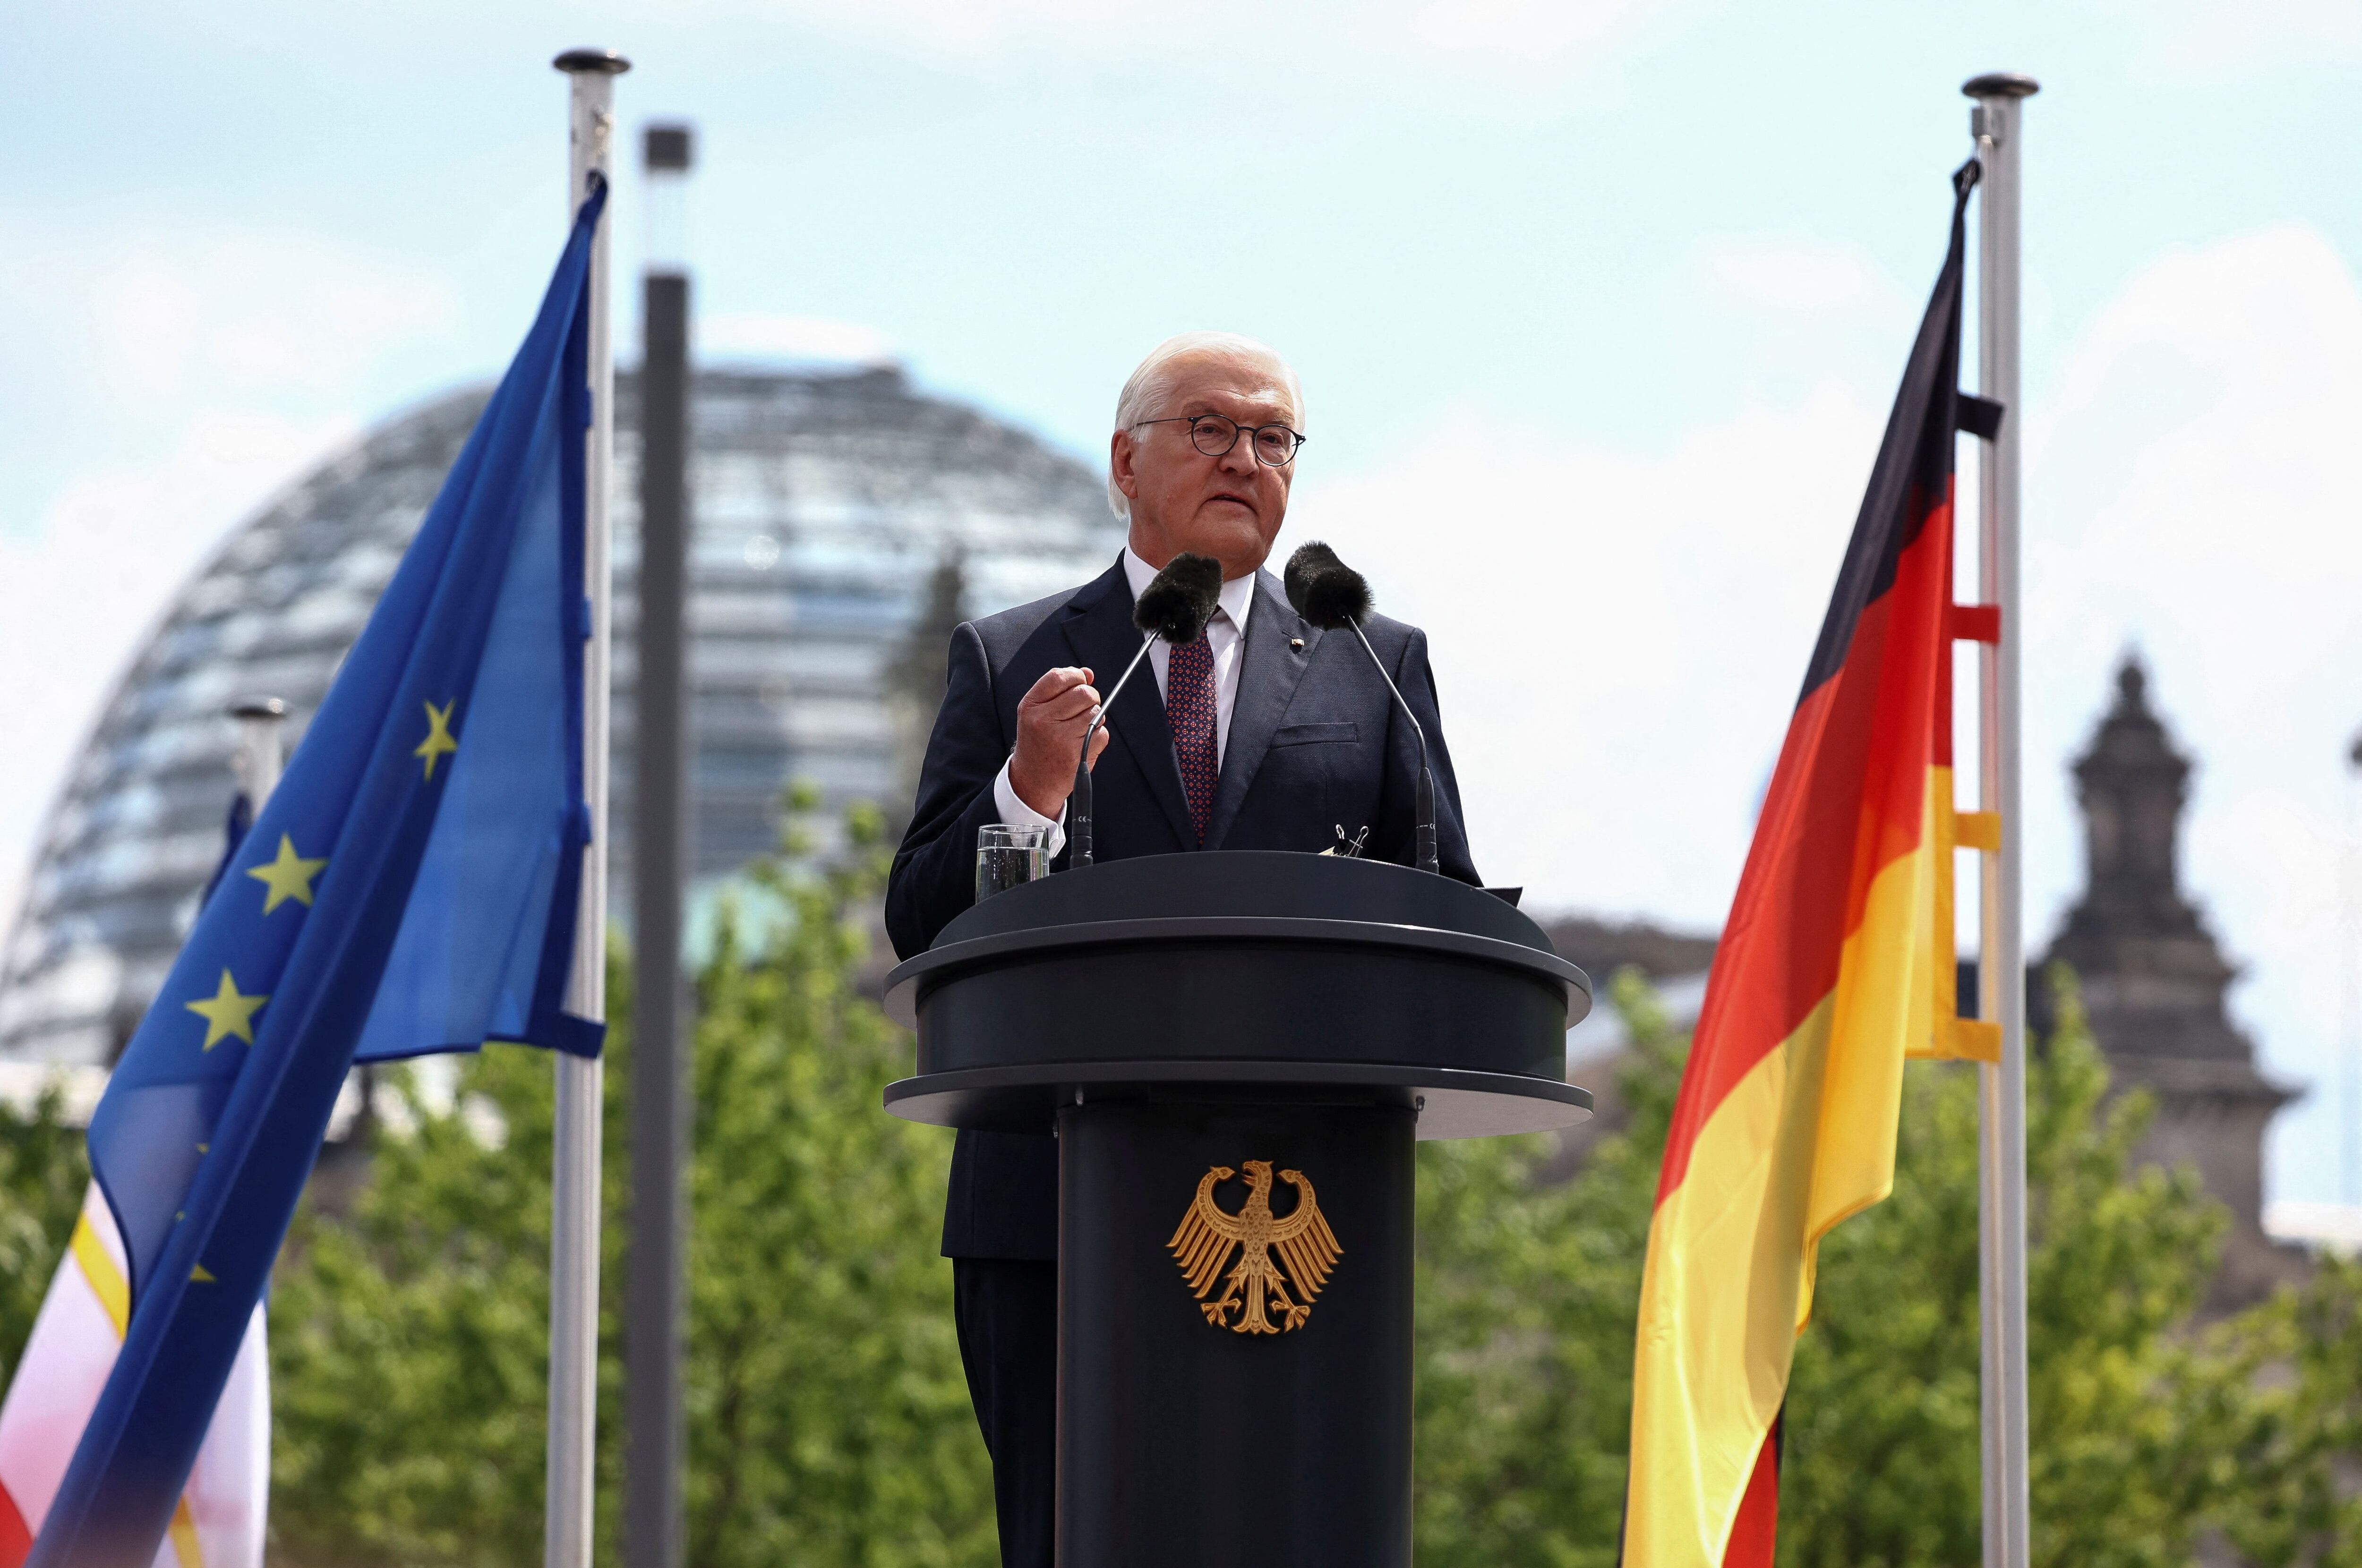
(2125,1414)
(43,1175)
(1526,1296)
(828,1418)
(2149,1432)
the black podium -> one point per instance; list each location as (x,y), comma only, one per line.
(1237,1052)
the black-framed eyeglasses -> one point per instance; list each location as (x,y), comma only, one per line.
(1213,435)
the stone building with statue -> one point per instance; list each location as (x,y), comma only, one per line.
(2151,976)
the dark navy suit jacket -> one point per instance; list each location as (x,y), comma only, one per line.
(1315,743)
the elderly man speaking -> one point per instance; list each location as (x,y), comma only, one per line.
(1261,734)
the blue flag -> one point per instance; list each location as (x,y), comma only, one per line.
(410,886)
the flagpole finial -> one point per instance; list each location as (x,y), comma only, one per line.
(606,62)
(2001,85)
(261,755)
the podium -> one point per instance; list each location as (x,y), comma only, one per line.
(1237,1053)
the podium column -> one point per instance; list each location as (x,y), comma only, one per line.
(1268,1435)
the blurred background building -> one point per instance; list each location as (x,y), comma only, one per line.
(843,524)
(2152,977)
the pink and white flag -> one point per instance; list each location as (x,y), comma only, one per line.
(219,1523)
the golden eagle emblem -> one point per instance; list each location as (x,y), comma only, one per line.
(1301,1238)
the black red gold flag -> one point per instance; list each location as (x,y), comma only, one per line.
(1836,965)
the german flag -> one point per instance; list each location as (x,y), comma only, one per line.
(1836,965)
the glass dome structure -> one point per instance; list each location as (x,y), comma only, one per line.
(841,521)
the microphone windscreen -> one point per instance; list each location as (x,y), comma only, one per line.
(1324,590)
(1181,599)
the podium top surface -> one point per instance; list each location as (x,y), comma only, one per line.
(1258,882)
(1242,968)
(1238,895)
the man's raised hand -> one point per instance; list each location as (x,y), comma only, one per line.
(1051,721)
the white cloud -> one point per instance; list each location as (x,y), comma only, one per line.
(1800,275)
(793,339)
(2208,37)
(1617,638)
(1529,43)
(1803,311)
(77,597)
(1532,43)
(2190,489)
(184,382)
(239,315)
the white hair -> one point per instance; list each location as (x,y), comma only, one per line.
(1151,382)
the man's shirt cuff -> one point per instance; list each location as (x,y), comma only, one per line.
(1015,812)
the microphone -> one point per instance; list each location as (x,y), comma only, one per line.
(1175,605)
(1332,596)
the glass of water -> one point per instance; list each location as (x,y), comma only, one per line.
(1007,855)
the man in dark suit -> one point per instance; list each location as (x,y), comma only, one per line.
(1264,734)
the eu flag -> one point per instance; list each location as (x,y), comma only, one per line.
(410,886)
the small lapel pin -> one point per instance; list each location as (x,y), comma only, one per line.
(1295,643)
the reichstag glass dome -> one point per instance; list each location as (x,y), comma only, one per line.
(842,521)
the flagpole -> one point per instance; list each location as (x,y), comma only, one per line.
(2001,1154)
(2350,999)
(654,1301)
(260,753)
(261,758)
(574,1202)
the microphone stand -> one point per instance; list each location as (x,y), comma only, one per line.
(1078,800)
(1423,803)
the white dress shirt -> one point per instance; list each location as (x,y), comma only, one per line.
(1226,635)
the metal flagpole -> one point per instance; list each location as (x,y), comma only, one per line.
(261,752)
(653,1322)
(2349,998)
(574,1203)
(2000,968)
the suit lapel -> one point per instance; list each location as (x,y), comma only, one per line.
(1098,628)
(1268,672)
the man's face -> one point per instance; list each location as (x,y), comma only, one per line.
(1229,507)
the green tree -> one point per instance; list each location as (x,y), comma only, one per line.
(2129,1415)
(43,1175)
(408,1337)
(2146,1432)
(829,1420)
(1527,1295)
(2295,1464)
(828,1417)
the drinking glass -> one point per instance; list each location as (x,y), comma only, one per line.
(1007,855)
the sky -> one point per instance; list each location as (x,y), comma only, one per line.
(1598,304)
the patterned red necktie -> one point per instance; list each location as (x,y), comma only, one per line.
(1189,711)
